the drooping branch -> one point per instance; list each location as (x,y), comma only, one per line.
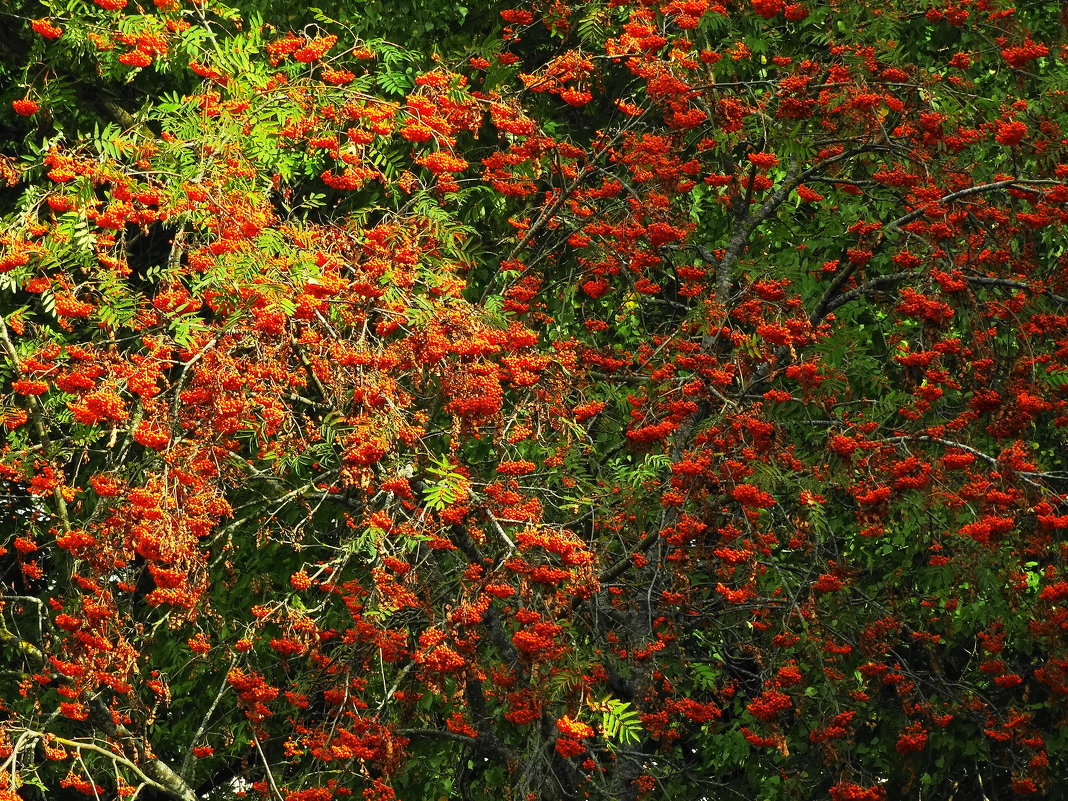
(38,416)
(185,771)
(836,301)
(914,215)
(151,772)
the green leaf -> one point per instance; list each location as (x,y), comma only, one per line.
(620,723)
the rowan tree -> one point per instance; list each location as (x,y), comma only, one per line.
(656,400)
